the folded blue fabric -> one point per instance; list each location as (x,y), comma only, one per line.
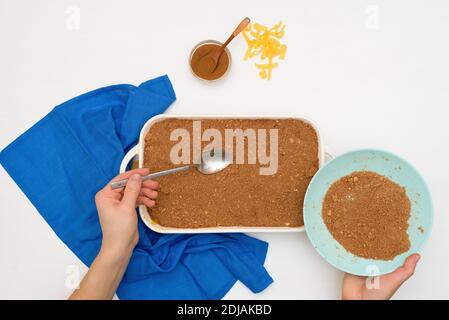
(65,158)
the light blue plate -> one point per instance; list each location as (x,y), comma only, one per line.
(386,164)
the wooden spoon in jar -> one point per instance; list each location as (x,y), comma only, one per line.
(211,59)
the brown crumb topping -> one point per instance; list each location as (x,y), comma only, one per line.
(238,195)
(368,215)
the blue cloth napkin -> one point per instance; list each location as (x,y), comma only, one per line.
(65,158)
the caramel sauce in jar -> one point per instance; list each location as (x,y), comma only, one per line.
(201,69)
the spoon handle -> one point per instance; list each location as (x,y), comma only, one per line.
(122,183)
(242,25)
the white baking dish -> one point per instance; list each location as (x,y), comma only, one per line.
(136,153)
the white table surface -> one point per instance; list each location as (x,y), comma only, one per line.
(369,73)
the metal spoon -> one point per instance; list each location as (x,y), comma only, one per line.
(212,162)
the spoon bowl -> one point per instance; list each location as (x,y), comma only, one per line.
(213,161)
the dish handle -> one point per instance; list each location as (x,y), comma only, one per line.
(328,154)
(327,157)
(129,156)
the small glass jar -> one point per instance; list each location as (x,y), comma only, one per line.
(214,42)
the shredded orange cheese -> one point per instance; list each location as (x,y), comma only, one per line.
(265,43)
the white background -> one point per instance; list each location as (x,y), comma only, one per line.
(369,73)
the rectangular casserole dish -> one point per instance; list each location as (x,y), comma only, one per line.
(137,153)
